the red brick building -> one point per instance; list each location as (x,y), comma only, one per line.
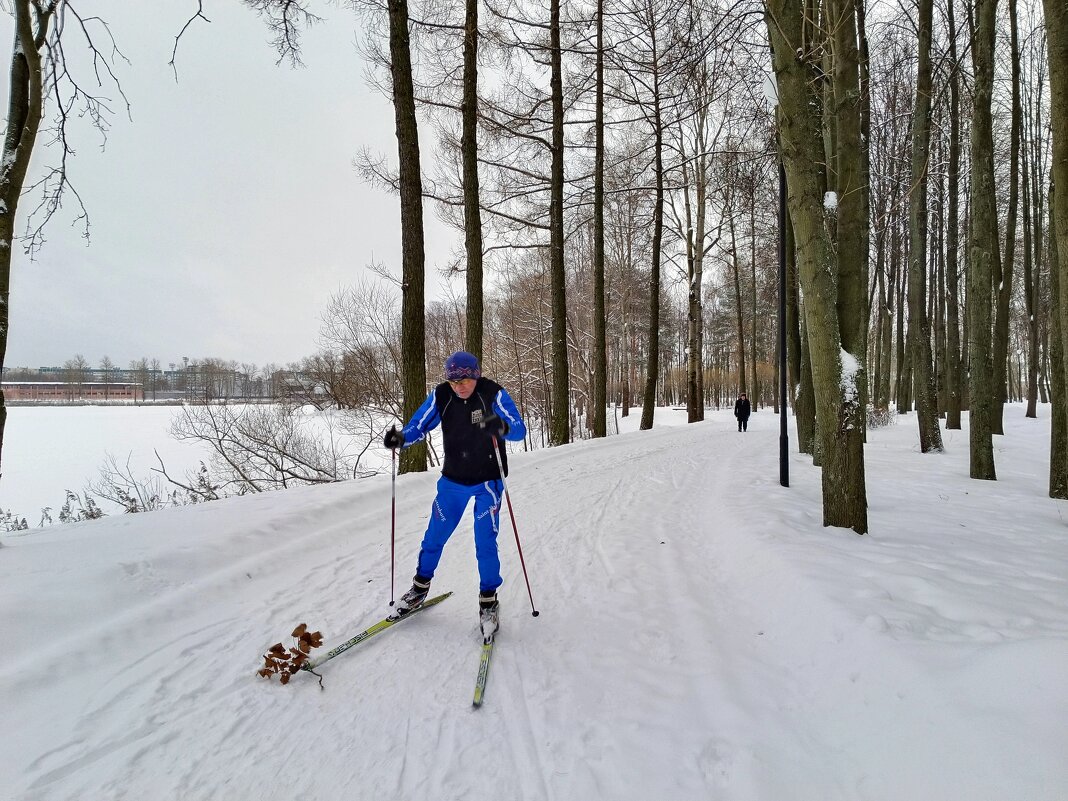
(53,391)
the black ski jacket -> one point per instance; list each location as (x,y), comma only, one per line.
(469,457)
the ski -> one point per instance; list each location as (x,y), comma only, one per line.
(367,634)
(483,672)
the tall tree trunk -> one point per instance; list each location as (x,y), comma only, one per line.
(652,366)
(919,324)
(1056,18)
(939,299)
(25,106)
(953,365)
(983,242)
(1032,294)
(852,269)
(807,441)
(472,208)
(742,386)
(600,360)
(1035,168)
(903,376)
(800,376)
(864,110)
(1058,445)
(883,337)
(1004,268)
(695,235)
(413,339)
(797,69)
(560,427)
(755,397)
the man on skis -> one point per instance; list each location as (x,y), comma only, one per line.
(473,412)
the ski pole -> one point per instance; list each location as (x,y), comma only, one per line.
(393,532)
(511,515)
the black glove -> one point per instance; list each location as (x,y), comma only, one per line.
(394,439)
(492,424)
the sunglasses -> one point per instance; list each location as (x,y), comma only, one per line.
(459,382)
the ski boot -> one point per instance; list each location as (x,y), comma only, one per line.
(489,614)
(414,598)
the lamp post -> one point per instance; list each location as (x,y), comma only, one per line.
(771,91)
(784,435)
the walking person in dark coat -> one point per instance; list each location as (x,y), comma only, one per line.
(741,411)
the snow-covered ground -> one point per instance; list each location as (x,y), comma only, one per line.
(701,636)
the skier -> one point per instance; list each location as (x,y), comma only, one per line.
(741,411)
(472,411)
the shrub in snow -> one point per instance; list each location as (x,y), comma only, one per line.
(9,521)
(86,508)
(881,418)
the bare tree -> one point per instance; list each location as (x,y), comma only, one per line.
(39,74)
(646,63)
(1058,448)
(141,368)
(261,448)
(919,323)
(711,81)
(954,379)
(600,345)
(827,276)
(983,246)
(413,346)
(472,197)
(107,371)
(1056,19)
(75,371)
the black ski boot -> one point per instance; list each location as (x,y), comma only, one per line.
(489,614)
(414,598)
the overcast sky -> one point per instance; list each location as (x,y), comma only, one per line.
(225,215)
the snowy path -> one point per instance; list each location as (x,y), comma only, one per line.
(700,637)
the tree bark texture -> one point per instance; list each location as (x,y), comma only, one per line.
(919,324)
(1005,267)
(560,425)
(953,362)
(1056,17)
(413,340)
(798,70)
(1058,446)
(851,262)
(983,247)
(652,365)
(600,345)
(472,209)
(25,106)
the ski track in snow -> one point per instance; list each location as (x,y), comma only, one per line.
(673,637)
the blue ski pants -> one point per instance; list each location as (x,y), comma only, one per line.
(449,507)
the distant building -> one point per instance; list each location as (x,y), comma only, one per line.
(52,391)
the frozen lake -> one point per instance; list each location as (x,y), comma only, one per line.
(50,449)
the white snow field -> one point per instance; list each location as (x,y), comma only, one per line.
(702,636)
(51,449)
